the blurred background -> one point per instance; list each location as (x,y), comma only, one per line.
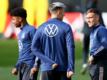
(38,13)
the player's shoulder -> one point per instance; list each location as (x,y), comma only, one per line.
(66,24)
(41,26)
(31,27)
(101,27)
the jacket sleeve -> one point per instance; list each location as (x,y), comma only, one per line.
(37,51)
(17,65)
(102,38)
(37,62)
(70,50)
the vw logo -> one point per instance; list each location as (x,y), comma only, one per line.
(51,30)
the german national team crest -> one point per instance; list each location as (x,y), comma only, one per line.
(51,30)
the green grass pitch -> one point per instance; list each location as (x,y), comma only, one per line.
(9,54)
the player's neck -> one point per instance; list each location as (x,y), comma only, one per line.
(55,16)
(23,23)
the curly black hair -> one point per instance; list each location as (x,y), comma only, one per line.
(19,11)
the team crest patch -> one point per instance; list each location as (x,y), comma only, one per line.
(51,30)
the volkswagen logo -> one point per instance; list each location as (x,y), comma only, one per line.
(51,30)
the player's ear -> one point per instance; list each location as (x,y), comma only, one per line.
(97,17)
(59,11)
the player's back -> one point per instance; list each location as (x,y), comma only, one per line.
(53,40)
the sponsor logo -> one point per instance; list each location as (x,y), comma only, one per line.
(51,30)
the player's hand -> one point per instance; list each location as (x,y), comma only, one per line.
(33,70)
(90,60)
(54,65)
(14,71)
(69,74)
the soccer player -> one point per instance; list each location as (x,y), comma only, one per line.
(98,46)
(53,44)
(26,59)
